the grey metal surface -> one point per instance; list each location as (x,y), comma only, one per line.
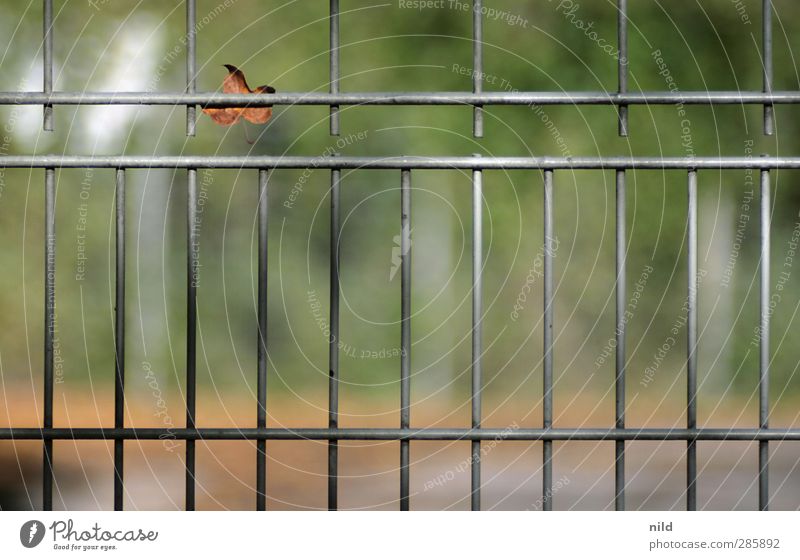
(621,301)
(212,99)
(408,434)
(477,317)
(192,269)
(398,162)
(405,332)
(547,389)
(763,348)
(334,64)
(119,338)
(333,344)
(261,385)
(334,99)
(622,62)
(477,65)
(691,340)
(191,63)
(49,331)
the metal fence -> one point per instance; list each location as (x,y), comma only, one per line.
(476,433)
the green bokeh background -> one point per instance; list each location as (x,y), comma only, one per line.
(126,46)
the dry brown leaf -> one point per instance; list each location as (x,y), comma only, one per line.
(235,82)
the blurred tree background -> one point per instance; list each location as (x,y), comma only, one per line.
(530,46)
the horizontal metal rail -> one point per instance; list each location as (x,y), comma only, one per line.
(391,434)
(397,162)
(210,99)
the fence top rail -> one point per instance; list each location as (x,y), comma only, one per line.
(211,99)
(387,434)
(395,162)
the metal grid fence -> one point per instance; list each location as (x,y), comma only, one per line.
(476,433)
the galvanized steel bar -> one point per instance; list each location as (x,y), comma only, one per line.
(47,63)
(622,61)
(333,344)
(395,434)
(477,65)
(334,64)
(691,342)
(215,99)
(763,349)
(397,162)
(619,379)
(405,331)
(547,394)
(119,339)
(477,313)
(49,331)
(766,22)
(261,386)
(193,270)
(191,63)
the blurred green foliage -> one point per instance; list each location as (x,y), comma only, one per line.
(129,46)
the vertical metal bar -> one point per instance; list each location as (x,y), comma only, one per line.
(333,347)
(405,331)
(334,64)
(547,444)
(49,330)
(622,61)
(47,81)
(766,36)
(691,346)
(620,333)
(119,341)
(261,389)
(191,63)
(477,65)
(191,330)
(763,379)
(477,311)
